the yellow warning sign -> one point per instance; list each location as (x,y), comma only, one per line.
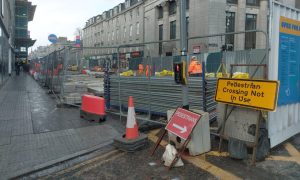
(257,94)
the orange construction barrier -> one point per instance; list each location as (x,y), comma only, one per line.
(92,108)
(83,72)
(132,131)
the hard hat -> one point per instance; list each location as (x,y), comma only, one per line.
(194,57)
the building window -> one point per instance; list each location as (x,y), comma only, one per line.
(23,49)
(133,2)
(137,28)
(21,33)
(21,22)
(172,7)
(137,11)
(160,32)
(2,7)
(160,10)
(173,30)
(113,36)
(130,31)
(117,34)
(187,26)
(232,1)
(124,33)
(250,38)
(160,37)
(252,2)
(127,4)
(187,4)
(230,27)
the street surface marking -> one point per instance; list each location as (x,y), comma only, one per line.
(218,154)
(291,149)
(199,161)
(210,153)
(97,164)
(104,157)
(207,166)
(294,154)
(284,158)
(152,136)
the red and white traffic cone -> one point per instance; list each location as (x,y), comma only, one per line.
(132,140)
(132,131)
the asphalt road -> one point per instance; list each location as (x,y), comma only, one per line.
(281,164)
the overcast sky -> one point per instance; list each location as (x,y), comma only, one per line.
(62,17)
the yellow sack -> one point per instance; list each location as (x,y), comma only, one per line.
(74,68)
(127,73)
(220,75)
(240,75)
(166,73)
(210,75)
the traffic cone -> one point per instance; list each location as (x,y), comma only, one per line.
(131,125)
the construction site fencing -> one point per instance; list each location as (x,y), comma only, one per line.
(48,70)
(68,74)
(156,92)
(71,72)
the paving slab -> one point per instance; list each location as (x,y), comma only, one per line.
(32,150)
(35,134)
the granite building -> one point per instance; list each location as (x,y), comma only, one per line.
(138,21)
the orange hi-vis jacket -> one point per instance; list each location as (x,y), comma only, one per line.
(148,70)
(195,68)
(141,69)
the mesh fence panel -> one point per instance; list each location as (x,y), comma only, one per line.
(71,72)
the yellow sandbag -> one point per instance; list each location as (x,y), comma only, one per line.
(74,68)
(240,75)
(166,73)
(220,75)
(127,73)
(210,75)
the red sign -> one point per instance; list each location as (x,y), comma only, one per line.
(196,49)
(135,54)
(182,123)
(122,55)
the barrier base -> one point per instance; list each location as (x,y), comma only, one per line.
(92,117)
(131,145)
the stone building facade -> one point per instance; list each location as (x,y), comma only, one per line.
(121,25)
(7,36)
(138,21)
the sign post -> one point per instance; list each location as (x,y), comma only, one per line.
(182,124)
(255,94)
(52,38)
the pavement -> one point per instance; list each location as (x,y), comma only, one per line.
(34,134)
(38,140)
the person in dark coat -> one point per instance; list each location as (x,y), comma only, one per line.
(18,65)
